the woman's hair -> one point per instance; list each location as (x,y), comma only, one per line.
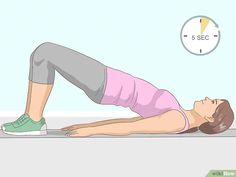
(223,119)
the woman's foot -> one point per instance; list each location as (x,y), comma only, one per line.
(24,125)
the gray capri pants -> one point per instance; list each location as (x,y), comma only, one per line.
(84,72)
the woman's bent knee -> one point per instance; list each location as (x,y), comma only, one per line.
(40,52)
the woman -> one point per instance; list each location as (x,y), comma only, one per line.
(159,110)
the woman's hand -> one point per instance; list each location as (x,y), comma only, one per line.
(80,132)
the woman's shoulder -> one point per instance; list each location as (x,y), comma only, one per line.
(172,121)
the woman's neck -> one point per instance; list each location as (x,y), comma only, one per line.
(195,120)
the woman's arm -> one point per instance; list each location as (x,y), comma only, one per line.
(102,122)
(170,121)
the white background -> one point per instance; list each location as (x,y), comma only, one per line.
(138,37)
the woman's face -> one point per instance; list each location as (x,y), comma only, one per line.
(206,108)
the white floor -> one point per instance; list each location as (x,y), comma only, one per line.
(137,155)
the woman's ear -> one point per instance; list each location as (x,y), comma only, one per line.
(209,119)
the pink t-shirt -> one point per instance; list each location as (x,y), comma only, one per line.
(123,89)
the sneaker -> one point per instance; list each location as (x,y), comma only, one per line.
(24,125)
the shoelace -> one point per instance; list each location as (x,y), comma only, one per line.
(21,119)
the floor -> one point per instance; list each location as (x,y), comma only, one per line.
(164,155)
(56,133)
